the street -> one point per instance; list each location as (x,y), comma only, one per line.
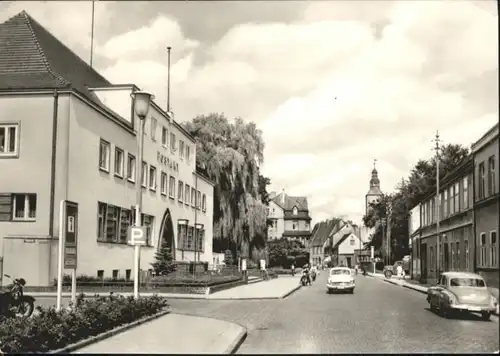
(379,317)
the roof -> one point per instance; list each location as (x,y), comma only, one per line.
(289,203)
(323,230)
(32,58)
(491,134)
(337,241)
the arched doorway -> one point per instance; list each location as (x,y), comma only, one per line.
(167,233)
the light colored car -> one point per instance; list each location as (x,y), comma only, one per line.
(341,279)
(461,292)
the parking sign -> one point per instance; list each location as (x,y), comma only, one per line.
(137,235)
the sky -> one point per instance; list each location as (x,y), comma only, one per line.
(333,85)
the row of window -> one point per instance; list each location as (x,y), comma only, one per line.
(452,200)
(184,148)
(190,238)
(113,222)
(486,185)
(488,250)
(456,263)
(185,194)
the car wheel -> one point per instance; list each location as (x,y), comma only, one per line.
(486,316)
(444,311)
(388,274)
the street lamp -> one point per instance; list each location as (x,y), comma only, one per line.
(141,103)
(437,141)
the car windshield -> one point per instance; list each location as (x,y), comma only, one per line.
(336,272)
(467,282)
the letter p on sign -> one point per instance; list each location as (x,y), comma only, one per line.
(137,235)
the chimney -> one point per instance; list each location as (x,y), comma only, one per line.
(283,196)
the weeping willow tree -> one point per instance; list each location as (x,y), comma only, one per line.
(230,154)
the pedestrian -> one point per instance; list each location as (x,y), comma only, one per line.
(293,269)
(399,271)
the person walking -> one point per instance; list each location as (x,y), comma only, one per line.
(293,269)
(399,271)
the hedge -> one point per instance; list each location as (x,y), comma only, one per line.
(167,281)
(50,330)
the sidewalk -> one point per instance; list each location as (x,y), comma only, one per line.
(277,288)
(174,334)
(420,288)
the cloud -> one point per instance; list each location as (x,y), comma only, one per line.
(332,88)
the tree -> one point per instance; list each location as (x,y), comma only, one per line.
(420,184)
(228,258)
(164,261)
(230,154)
(283,252)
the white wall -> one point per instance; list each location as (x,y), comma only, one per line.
(345,248)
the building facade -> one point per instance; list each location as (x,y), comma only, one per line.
(486,205)
(290,217)
(66,133)
(414,232)
(320,240)
(456,249)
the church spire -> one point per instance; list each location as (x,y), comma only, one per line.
(374,182)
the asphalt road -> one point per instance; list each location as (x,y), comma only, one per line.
(379,317)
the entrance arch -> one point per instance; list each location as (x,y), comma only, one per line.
(167,232)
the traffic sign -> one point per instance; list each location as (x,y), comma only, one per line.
(70,219)
(137,235)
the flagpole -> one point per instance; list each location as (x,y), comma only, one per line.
(92,34)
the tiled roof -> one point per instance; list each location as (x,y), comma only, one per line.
(323,230)
(32,58)
(288,205)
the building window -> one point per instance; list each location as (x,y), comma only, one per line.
(154,124)
(482,250)
(188,153)
(125,221)
(295,225)
(424,214)
(352,241)
(198,200)
(445,204)
(148,222)
(24,207)
(164,137)
(187,191)
(9,140)
(493,249)
(101,221)
(144,180)
(189,238)
(104,153)
(441,205)
(432,205)
(173,142)
(163,183)
(204,203)
(193,197)
(432,259)
(100,274)
(152,178)
(181,149)
(180,191)
(451,205)
(459,263)
(466,193)
(457,197)
(181,233)
(491,175)
(115,274)
(128,272)
(131,168)
(112,223)
(119,162)
(200,239)
(171,187)
(466,247)
(295,211)
(481,181)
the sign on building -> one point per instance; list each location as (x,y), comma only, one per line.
(71,235)
(137,235)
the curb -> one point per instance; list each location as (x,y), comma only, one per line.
(109,333)
(107,294)
(235,345)
(291,292)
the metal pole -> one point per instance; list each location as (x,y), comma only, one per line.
(92,35)
(195,219)
(60,255)
(138,209)
(168,79)
(438,203)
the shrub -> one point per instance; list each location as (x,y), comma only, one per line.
(50,330)
(202,281)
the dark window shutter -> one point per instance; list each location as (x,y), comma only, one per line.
(5,207)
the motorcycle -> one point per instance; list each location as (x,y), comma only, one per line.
(305,279)
(13,302)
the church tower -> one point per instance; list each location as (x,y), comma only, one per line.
(374,193)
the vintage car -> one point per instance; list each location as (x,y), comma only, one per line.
(389,270)
(341,279)
(461,292)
